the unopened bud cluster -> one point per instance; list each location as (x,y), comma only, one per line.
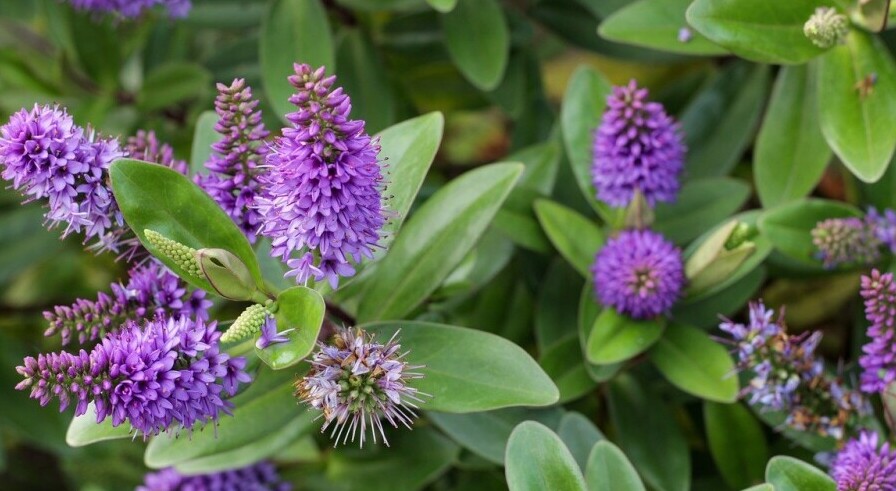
(183,256)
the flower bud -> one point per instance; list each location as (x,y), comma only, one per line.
(227,274)
(247,324)
(638,214)
(183,256)
(719,256)
(826,28)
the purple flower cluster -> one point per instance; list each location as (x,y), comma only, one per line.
(133,8)
(46,156)
(166,372)
(357,382)
(258,477)
(234,163)
(146,146)
(878,360)
(151,290)
(321,192)
(639,273)
(884,226)
(863,465)
(637,147)
(786,375)
(842,241)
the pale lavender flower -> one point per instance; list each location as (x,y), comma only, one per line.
(165,373)
(234,164)
(841,241)
(865,465)
(146,146)
(269,334)
(357,382)
(637,147)
(133,8)
(258,477)
(321,191)
(883,225)
(878,360)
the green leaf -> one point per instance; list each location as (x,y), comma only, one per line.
(442,5)
(575,237)
(172,83)
(84,429)
(302,310)
(789,226)
(537,460)
(478,40)
(652,438)
(701,204)
(435,240)
(542,163)
(516,220)
(294,31)
(767,31)
(581,111)
(263,409)
(588,312)
(726,301)
(737,443)
(858,128)
(615,337)
(761,487)
(696,364)
(158,198)
(791,153)
(564,363)
(579,434)
(468,370)
(364,77)
(203,138)
(655,24)
(486,433)
(610,470)
(790,474)
(719,122)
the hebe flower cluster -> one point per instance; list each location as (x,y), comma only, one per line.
(321,192)
(639,273)
(786,375)
(234,163)
(878,360)
(151,290)
(46,156)
(637,147)
(165,372)
(259,477)
(845,241)
(134,8)
(883,226)
(864,465)
(357,382)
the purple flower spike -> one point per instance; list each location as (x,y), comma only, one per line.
(357,382)
(269,334)
(234,164)
(863,465)
(167,372)
(636,147)
(878,360)
(322,187)
(883,225)
(259,477)
(639,273)
(146,146)
(133,8)
(47,157)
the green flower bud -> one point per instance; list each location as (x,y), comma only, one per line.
(227,274)
(638,214)
(719,256)
(826,27)
(183,256)
(247,324)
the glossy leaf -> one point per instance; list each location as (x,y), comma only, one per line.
(696,364)
(855,123)
(469,370)
(442,5)
(537,460)
(791,153)
(575,237)
(766,31)
(294,31)
(302,310)
(789,226)
(656,24)
(701,204)
(203,137)
(736,442)
(84,429)
(610,470)
(790,474)
(158,198)
(435,240)
(579,435)
(478,40)
(588,312)
(615,337)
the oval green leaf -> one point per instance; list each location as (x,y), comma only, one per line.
(579,434)
(789,226)
(442,5)
(84,430)
(203,137)
(615,337)
(790,474)
(656,24)
(587,314)
(577,238)
(468,370)
(736,442)
(537,460)
(702,203)
(158,198)
(302,310)
(696,364)
(435,241)
(610,470)
(478,40)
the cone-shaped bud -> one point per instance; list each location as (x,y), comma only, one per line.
(247,324)
(638,214)
(826,28)
(719,256)
(183,256)
(227,274)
